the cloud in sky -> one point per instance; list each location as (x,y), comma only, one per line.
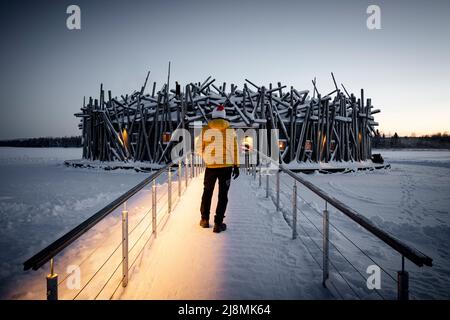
(47,69)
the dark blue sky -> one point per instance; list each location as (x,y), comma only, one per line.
(47,69)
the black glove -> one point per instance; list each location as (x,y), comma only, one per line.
(235,173)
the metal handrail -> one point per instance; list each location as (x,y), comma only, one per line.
(47,254)
(412,254)
(406,251)
(417,257)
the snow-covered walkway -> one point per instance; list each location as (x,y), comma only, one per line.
(254,259)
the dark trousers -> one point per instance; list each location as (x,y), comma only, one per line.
(224,177)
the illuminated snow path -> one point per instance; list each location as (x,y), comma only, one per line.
(254,259)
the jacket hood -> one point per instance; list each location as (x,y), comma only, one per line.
(218,124)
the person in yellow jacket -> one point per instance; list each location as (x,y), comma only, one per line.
(219,150)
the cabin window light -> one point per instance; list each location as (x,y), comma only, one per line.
(282,144)
(308,146)
(125,136)
(333,145)
(166,137)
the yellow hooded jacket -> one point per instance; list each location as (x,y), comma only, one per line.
(218,146)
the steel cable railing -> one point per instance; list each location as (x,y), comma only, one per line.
(302,212)
(321,250)
(97,272)
(115,250)
(268,195)
(269,166)
(350,241)
(315,211)
(335,246)
(162,217)
(130,250)
(133,246)
(315,259)
(136,256)
(162,206)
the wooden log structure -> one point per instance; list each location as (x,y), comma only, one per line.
(336,126)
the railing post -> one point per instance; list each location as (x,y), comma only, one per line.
(186,172)
(247,161)
(192,166)
(154,208)
(179,178)
(196,165)
(260,167)
(169,190)
(52,283)
(124,245)
(326,231)
(294,211)
(267,182)
(278,189)
(254,169)
(403,283)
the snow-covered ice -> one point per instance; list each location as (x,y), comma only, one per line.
(42,199)
(411,201)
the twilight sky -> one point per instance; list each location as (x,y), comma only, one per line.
(46,69)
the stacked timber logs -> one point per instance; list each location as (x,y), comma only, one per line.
(337,126)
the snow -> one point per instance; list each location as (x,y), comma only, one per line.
(41,199)
(411,201)
(256,258)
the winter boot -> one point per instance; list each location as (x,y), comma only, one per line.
(219,227)
(204,223)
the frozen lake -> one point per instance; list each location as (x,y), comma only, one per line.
(411,201)
(41,199)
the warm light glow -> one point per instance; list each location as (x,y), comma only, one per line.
(282,144)
(125,137)
(248,143)
(166,137)
(332,145)
(308,145)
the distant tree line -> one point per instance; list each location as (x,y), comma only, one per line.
(43,142)
(434,141)
(380,140)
